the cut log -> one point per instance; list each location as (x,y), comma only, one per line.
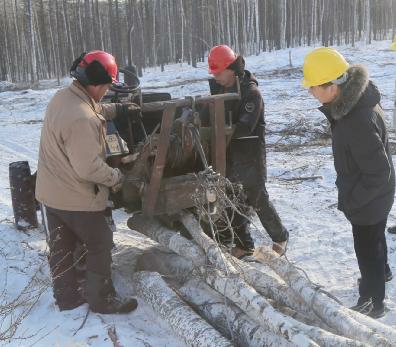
(261,311)
(228,318)
(173,267)
(194,330)
(168,238)
(269,286)
(156,258)
(376,326)
(211,248)
(255,306)
(334,314)
(296,315)
(275,289)
(263,283)
(177,270)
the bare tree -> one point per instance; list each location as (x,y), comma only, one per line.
(39,39)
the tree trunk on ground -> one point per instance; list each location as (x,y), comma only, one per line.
(211,248)
(171,266)
(376,326)
(275,289)
(228,318)
(136,252)
(259,309)
(262,282)
(168,238)
(256,306)
(184,321)
(335,315)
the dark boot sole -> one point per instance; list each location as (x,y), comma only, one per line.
(114,309)
(71,306)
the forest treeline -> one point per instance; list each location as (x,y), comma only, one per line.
(40,38)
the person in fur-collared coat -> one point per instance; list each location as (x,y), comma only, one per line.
(363,163)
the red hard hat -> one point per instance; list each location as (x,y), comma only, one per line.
(220,57)
(105,59)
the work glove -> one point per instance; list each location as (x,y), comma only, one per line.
(119,182)
(129,111)
(130,158)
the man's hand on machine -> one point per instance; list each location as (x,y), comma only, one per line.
(129,111)
(130,158)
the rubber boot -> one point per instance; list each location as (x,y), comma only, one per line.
(68,298)
(102,297)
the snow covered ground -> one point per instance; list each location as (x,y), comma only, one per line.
(320,237)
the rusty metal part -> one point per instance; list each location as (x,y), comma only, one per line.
(162,180)
(152,190)
(161,105)
(175,194)
(198,146)
(217,118)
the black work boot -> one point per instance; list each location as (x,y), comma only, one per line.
(364,305)
(102,298)
(377,311)
(392,230)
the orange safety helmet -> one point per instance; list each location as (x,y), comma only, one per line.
(96,67)
(220,58)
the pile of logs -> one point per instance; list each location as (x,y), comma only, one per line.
(210,298)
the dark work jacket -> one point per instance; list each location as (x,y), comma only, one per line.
(246,156)
(362,159)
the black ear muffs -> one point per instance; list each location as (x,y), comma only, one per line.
(96,74)
(80,76)
(76,63)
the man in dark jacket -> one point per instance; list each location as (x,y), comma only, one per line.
(362,160)
(246,156)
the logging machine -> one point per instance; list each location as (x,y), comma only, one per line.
(169,141)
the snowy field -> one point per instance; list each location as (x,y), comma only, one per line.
(320,237)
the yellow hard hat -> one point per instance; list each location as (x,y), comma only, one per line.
(323,65)
(393,45)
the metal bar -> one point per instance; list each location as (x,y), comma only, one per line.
(142,125)
(130,135)
(217,115)
(198,145)
(161,105)
(151,193)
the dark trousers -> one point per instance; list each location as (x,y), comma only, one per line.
(246,165)
(65,229)
(240,226)
(258,198)
(371,252)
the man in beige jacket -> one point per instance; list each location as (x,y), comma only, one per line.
(73,182)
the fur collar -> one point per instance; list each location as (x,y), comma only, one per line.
(351,92)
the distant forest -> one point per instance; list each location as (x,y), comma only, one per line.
(39,39)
